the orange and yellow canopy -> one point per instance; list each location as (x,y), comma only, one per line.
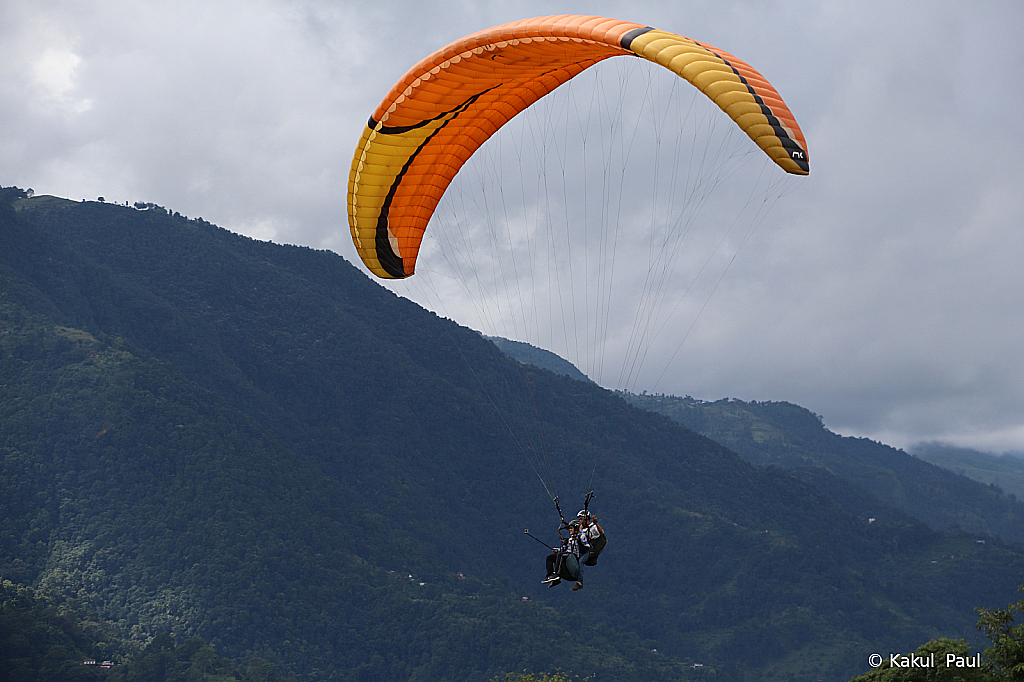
(447,105)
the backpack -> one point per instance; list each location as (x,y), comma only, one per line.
(597,546)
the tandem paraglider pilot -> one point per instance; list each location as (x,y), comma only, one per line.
(591,530)
(585,541)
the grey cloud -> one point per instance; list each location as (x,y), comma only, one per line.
(883,292)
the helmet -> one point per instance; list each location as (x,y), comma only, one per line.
(583,513)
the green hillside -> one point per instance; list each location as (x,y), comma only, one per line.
(45,640)
(866,477)
(256,445)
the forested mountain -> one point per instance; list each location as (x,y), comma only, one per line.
(865,476)
(212,436)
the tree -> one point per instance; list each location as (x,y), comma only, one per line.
(260,670)
(1003,661)
(1005,658)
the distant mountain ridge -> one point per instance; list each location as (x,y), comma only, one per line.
(253,443)
(863,474)
(793,438)
(538,357)
(1004,471)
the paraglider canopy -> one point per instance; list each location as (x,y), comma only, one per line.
(452,101)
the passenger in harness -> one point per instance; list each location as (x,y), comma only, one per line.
(565,562)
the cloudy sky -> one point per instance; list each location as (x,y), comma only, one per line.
(883,292)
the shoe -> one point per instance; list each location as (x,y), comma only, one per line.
(554,582)
(548,579)
(577,586)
